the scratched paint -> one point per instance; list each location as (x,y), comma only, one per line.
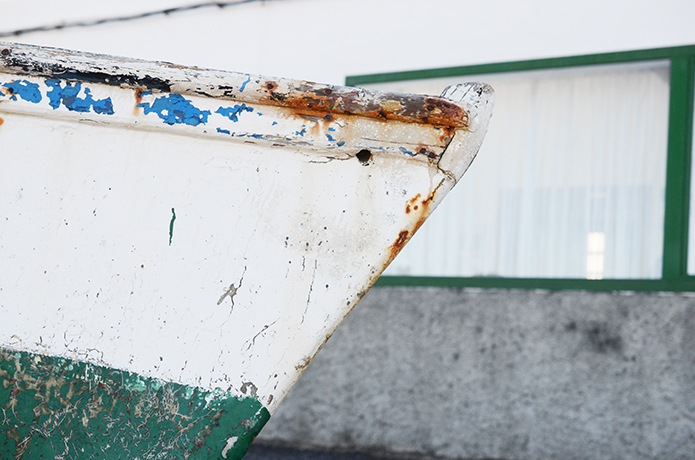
(243,85)
(69,97)
(233,112)
(171,225)
(176,109)
(24,89)
(61,408)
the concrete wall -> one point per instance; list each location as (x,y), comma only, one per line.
(502,375)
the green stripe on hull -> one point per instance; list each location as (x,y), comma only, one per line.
(55,408)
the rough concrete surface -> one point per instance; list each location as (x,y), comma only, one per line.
(501,374)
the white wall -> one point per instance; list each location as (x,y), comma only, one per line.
(326,40)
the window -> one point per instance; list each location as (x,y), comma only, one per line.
(582,181)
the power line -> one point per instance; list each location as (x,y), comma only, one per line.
(66,25)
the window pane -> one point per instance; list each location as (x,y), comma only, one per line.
(569,183)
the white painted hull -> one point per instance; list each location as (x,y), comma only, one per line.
(209,242)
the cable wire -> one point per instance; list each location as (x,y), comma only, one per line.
(66,25)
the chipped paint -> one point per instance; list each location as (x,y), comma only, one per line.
(61,408)
(176,109)
(69,97)
(243,85)
(302,96)
(233,112)
(26,90)
(326,131)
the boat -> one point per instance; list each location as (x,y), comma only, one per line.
(177,244)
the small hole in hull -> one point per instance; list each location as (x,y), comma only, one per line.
(364,156)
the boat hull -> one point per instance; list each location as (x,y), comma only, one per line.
(60,408)
(170,236)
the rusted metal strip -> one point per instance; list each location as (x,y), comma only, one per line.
(303,96)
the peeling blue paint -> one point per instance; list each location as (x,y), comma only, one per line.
(330,138)
(69,97)
(233,112)
(223,131)
(25,89)
(274,123)
(341,143)
(403,150)
(176,109)
(301,133)
(243,86)
(256,136)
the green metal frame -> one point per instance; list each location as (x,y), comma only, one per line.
(678,165)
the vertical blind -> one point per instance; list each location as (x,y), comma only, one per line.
(569,183)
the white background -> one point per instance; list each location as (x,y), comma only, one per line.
(326,40)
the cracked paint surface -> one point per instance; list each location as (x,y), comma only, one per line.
(62,409)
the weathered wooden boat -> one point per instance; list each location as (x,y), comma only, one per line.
(177,244)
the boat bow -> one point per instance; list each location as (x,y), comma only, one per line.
(179,243)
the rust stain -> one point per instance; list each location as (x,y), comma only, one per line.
(396,247)
(400,241)
(1,121)
(292,94)
(425,207)
(411,204)
(447,134)
(304,363)
(317,101)
(441,108)
(318,123)
(138,100)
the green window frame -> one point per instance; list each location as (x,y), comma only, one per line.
(674,276)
